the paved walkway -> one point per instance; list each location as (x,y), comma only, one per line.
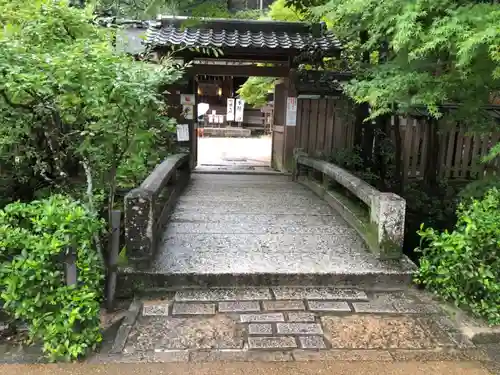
(263,225)
(289,324)
(314,368)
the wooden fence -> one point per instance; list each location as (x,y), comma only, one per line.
(324,126)
(328,125)
(458,156)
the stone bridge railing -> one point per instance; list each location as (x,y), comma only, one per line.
(147,208)
(379,219)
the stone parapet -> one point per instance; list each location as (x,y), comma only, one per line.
(381,224)
(147,206)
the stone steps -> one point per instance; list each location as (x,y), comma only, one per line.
(144,283)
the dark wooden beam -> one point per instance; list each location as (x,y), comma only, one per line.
(236,54)
(239,71)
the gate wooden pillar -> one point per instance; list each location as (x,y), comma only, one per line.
(283,134)
(278,131)
(290,130)
(175,110)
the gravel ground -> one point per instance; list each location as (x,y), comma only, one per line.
(254,151)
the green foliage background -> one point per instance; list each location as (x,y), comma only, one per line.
(77,121)
(34,238)
(463,265)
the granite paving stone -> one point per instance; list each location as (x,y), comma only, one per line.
(222,294)
(260,329)
(271,253)
(258,224)
(384,303)
(265,318)
(445,333)
(193,308)
(319,294)
(326,306)
(153,309)
(369,307)
(193,333)
(166,356)
(377,332)
(312,342)
(239,306)
(299,329)
(301,317)
(231,207)
(417,308)
(242,194)
(283,305)
(241,355)
(284,342)
(265,198)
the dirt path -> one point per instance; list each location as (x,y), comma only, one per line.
(307,368)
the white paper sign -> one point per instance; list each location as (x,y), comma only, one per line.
(291,111)
(210,118)
(230,109)
(240,109)
(182,132)
(187,99)
(188,112)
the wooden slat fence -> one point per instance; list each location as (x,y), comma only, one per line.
(323,126)
(327,125)
(459,153)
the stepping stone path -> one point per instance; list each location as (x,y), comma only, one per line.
(286,324)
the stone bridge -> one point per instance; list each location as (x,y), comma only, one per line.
(319,226)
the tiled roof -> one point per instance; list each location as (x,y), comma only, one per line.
(266,35)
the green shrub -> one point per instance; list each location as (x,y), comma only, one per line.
(351,160)
(477,189)
(34,238)
(464,266)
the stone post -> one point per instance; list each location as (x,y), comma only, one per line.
(297,169)
(387,215)
(139,226)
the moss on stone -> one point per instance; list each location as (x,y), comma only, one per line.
(389,248)
(359,218)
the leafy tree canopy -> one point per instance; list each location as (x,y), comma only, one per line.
(279,11)
(423,53)
(68,100)
(255,90)
(148,9)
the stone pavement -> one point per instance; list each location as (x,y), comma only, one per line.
(226,227)
(289,324)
